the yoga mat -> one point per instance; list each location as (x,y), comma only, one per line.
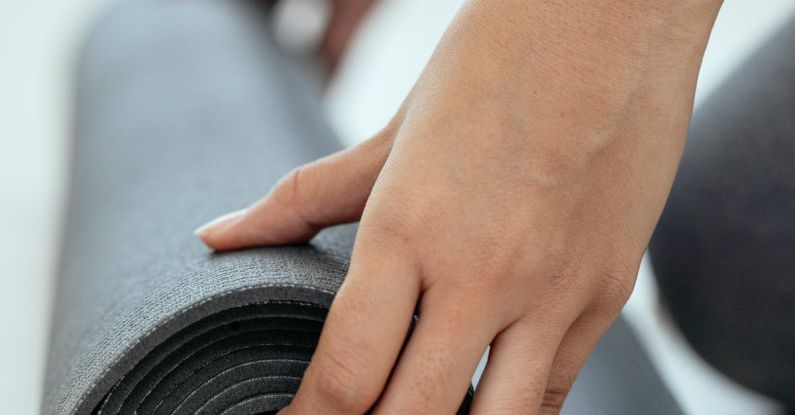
(184,111)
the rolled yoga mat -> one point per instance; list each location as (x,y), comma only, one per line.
(184,111)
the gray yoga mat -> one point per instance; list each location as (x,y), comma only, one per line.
(184,111)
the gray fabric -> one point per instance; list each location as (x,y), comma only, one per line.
(184,111)
(723,250)
(618,378)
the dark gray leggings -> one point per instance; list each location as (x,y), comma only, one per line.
(724,250)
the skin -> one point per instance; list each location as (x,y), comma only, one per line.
(508,203)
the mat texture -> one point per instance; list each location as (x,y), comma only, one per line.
(184,111)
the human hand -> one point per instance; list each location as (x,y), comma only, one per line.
(508,203)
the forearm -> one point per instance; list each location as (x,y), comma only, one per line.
(625,29)
(566,71)
(560,61)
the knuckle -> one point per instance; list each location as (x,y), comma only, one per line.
(487,276)
(616,287)
(339,384)
(420,402)
(390,226)
(298,192)
(389,232)
(288,191)
(567,374)
(552,401)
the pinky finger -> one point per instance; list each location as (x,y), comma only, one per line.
(516,373)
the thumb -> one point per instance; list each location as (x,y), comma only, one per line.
(326,192)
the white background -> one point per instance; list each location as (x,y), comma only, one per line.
(37,41)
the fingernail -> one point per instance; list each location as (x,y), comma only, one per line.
(218,223)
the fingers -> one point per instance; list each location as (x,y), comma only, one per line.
(517,370)
(363,334)
(435,369)
(326,192)
(574,350)
(531,368)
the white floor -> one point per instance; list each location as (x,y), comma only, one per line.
(37,40)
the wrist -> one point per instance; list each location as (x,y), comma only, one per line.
(621,29)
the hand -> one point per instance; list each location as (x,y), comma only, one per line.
(508,202)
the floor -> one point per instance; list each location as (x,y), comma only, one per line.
(37,43)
